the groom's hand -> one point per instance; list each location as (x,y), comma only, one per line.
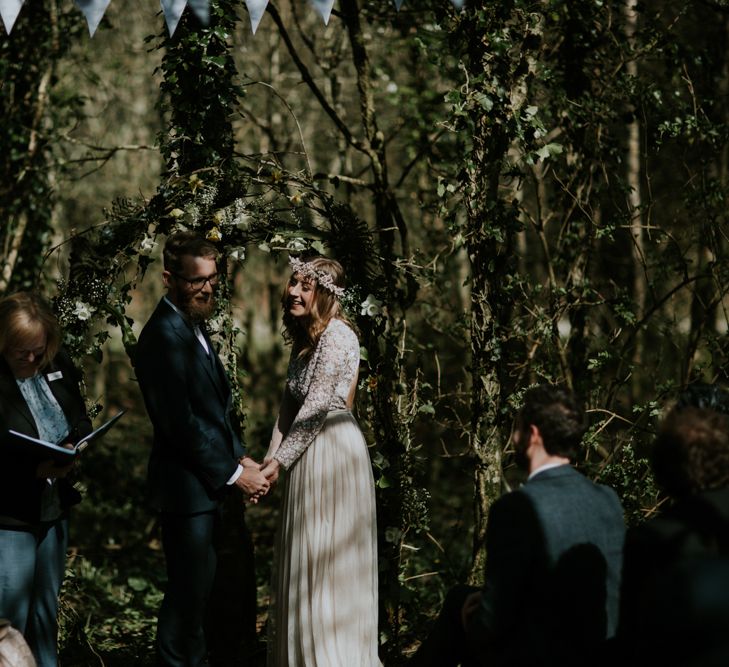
(253,482)
(248,462)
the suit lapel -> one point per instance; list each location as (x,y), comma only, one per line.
(215,363)
(197,353)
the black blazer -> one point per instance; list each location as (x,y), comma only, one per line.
(20,489)
(196,445)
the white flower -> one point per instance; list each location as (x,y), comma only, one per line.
(242,221)
(391,87)
(82,310)
(278,239)
(237,254)
(296,244)
(147,246)
(371,306)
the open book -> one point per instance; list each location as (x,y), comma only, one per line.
(59,453)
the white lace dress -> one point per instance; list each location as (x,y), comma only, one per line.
(324,592)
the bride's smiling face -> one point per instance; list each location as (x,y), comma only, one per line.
(301,292)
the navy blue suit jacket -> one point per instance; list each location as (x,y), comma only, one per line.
(196,445)
(20,489)
(552,573)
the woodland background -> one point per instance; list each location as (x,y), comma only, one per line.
(520,192)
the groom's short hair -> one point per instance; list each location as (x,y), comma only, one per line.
(187,243)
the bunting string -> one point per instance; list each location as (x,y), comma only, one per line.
(93,11)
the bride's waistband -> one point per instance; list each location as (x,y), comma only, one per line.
(339,411)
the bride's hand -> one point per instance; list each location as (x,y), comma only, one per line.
(271,469)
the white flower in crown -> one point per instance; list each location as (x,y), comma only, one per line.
(82,310)
(147,246)
(323,279)
(371,307)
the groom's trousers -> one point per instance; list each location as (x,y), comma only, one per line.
(189,547)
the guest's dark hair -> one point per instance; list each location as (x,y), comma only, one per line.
(187,243)
(560,420)
(691,452)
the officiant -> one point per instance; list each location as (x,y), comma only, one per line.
(39,397)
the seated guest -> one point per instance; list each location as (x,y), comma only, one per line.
(40,397)
(675,597)
(553,557)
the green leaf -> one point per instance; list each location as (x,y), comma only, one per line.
(137,584)
(484,101)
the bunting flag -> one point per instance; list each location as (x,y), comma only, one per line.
(172,9)
(9,10)
(323,8)
(256,10)
(93,10)
(201,9)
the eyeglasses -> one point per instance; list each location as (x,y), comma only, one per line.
(198,283)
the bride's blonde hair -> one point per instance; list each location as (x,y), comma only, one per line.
(304,332)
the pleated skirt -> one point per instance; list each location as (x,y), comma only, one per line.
(324,590)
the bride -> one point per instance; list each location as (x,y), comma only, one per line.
(324,603)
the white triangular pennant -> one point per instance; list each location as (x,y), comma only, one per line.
(458,4)
(9,10)
(398,4)
(172,10)
(323,8)
(93,10)
(256,10)
(201,9)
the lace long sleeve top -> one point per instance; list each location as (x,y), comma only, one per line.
(315,385)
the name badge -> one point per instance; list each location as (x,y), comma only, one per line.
(54,376)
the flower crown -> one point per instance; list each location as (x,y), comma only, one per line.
(322,278)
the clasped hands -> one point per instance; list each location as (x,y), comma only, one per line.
(257,479)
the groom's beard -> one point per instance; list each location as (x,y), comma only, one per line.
(198,307)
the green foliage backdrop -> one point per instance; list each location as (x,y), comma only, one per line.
(520,192)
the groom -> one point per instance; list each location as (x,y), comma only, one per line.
(197,456)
